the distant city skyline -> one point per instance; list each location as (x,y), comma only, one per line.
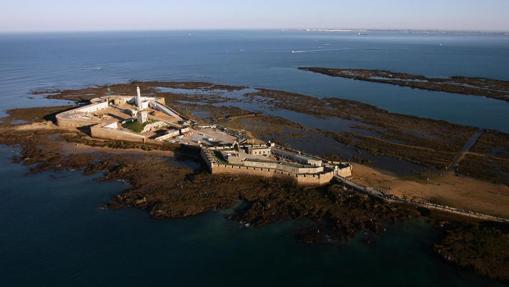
(115,15)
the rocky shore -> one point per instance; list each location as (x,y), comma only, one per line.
(481,247)
(168,181)
(174,185)
(419,149)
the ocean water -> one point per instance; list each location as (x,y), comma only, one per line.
(53,232)
(264,59)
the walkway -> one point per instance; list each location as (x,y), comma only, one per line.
(393,199)
(468,145)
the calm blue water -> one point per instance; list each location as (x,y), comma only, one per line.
(264,59)
(54,234)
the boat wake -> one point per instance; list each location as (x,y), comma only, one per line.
(317,51)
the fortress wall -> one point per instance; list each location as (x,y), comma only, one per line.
(283,167)
(299,170)
(237,169)
(67,123)
(98,131)
(301,179)
(66,120)
(315,179)
(208,158)
(92,108)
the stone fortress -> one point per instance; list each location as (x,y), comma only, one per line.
(271,160)
(224,151)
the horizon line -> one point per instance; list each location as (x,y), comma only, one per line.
(334,30)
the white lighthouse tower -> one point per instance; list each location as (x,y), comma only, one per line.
(138,98)
(142,115)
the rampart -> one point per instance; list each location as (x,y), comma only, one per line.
(301,179)
(102,132)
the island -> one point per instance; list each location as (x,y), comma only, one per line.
(347,168)
(490,88)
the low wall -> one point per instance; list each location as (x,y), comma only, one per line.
(98,131)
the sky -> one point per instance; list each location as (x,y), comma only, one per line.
(99,15)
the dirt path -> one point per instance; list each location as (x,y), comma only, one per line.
(449,189)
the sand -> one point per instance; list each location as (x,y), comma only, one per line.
(448,189)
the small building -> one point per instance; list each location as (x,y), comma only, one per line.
(259,150)
(142,117)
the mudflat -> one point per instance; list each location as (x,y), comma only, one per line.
(496,89)
(168,180)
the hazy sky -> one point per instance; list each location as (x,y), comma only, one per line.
(70,15)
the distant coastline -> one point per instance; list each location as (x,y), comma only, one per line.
(408,31)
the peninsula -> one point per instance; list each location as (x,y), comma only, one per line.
(187,148)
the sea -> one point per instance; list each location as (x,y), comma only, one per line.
(55,233)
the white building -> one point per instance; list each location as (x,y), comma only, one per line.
(142,117)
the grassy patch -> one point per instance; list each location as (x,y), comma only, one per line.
(135,125)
